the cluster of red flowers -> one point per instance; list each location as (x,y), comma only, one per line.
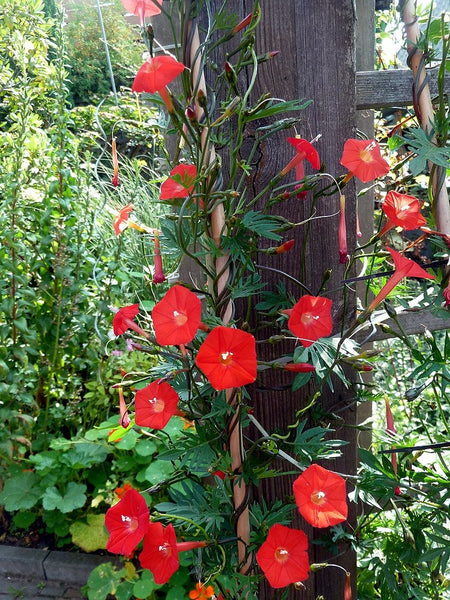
(128,524)
(320,496)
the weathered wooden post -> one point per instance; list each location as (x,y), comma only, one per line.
(317,62)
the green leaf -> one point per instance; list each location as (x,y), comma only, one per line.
(157,471)
(73,498)
(84,454)
(262,225)
(175,593)
(101,582)
(20,492)
(91,535)
(145,586)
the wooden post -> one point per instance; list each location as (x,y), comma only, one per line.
(316,61)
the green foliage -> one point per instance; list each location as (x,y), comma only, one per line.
(89,79)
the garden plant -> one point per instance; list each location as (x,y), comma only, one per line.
(171,474)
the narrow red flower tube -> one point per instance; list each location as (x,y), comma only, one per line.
(402,211)
(115,163)
(176,318)
(142,9)
(404,267)
(123,320)
(155,74)
(121,220)
(321,497)
(180,182)
(228,358)
(363,160)
(347,587)
(446,294)
(124,417)
(299,367)
(310,319)
(342,233)
(155,405)
(391,430)
(127,522)
(244,23)
(160,551)
(158,274)
(305,151)
(283,557)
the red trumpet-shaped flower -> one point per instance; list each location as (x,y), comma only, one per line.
(299,367)
(176,318)
(127,522)
(160,552)
(142,8)
(124,420)
(342,232)
(121,221)
(180,182)
(446,294)
(305,151)
(321,497)
(404,267)
(158,274)
(391,430)
(310,319)
(123,320)
(228,358)
(115,162)
(283,557)
(363,160)
(402,211)
(155,74)
(155,405)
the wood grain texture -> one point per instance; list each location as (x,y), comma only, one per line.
(316,61)
(384,89)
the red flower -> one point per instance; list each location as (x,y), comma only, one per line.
(142,8)
(402,211)
(283,556)
(155,405)
(299,367)
(305,151)
(342,232)
(176,318)
(121,221)
(363,159)
(321,497)
(347,587)
(158,275)
(155,74)
(390,429)
(310,319)
(446,294)
(180,182)
(160,552)
(228,358)
(123,320)
(124,420)
(404,267)
(201,592)
(115,162)
(127,523)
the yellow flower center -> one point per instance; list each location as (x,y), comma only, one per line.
(226,358)
(281,555)
(366,153)
(179,318)
(158,404)
(318,498)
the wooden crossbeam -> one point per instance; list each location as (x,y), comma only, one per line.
(385,89)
